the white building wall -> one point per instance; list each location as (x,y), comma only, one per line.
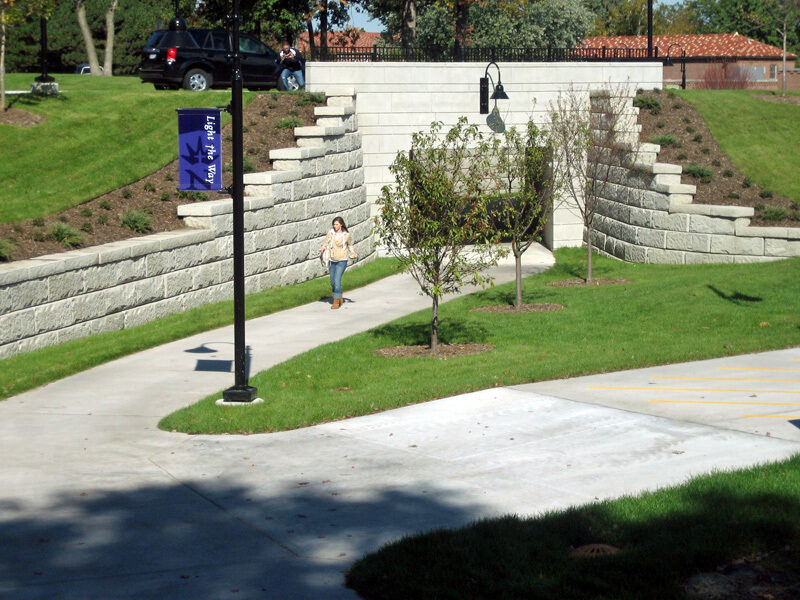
(394,100)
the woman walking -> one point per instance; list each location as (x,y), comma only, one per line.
(338,242)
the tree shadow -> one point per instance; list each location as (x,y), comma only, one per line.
(513,557)
(203,540)
(735,297)
(414,334)
(508,295)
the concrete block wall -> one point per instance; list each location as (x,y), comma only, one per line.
(396,100)
(646,214)
(56,298)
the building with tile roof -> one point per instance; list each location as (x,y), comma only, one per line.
(712,59)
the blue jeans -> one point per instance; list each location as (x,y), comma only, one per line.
(337,268)
(297,75)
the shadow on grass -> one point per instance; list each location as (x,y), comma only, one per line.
(508,295)
(700,529)
(415,334)
(204,539)
(735,297)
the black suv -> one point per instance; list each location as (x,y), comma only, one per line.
(197,59)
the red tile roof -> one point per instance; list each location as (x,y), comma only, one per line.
(339,39)
(706,45)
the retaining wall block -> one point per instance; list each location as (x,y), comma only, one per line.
(633,253)
(18,325)
(101,277)
(177,283)
(664,257)
(24,294)
(696,258)
(256,263)
(64,285)
(204,276)
(52,316)
(729,244)
(150,312)
(149,290)
(754,259)
(670,222)
(653,238)
(689,242)
(179,258)
(718,225)
(335,183)
(113,322)
(782,248)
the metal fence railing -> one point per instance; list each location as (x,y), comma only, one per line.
(436,54)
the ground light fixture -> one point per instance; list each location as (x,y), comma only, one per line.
(669,62)
(498,93)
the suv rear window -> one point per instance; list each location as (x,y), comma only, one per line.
(155,38)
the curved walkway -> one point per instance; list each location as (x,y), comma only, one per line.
(96,502)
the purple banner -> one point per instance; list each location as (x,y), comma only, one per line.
(199,149)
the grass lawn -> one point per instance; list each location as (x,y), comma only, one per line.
(127,128)
(759,136)
(665,314)
(664,537)
(27,371)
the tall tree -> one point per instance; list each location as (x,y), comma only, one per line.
(435,219)
(9,13)
(88,40)
(108,61)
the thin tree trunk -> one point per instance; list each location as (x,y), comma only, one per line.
(409,31)
(323,29)
(518,270)
(435,325)
(108,62)
(588,254)
(783,87)
(312,44)
(462,22)
(3,60)
(91,54)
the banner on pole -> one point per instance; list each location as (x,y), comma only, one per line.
(199,149)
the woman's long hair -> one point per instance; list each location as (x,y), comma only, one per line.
(341,222)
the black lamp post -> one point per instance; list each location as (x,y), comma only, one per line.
(498,93)
(649,28)
(44,77)
(241,391)
(669,62)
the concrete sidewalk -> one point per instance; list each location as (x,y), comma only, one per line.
(98,503)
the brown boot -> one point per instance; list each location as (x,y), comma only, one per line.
(337,302)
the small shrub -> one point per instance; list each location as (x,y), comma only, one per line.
(252,151)
(149,187)
(126,193)
(795,216)
(727,173)
(647,102)
(147,210)
(227,138)
(102,219)
(703,174)
(264,112)
(682,156)
(796,204)
(87,227)
(17,228)
(309,98)
(65,235)
(38,236)
(765,194)
(697,138)
(677,106)
(5,249)
(251,123)
(746,183)
(288,123)
(705,151)
(245,129)
(248,166)
(690,129)
(716,163)
(774,213)
(272,104)
(192,196)
(169,177)
(760,206)
(136,221)
(733,196)
(660,124)
(86,212)
(687,120)
(63,218)
(38,222)
(666,141)
(294,113)
(165,196)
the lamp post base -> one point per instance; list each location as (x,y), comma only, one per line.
(44,88)
(239,394)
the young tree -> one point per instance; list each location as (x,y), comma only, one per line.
(435,220)
(9,13)
(588,146)
(525,188)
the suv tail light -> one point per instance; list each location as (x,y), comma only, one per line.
(171,54)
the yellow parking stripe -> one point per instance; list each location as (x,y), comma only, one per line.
(730,379)
(771,416)
(753,369)
(728,391)
(724,402)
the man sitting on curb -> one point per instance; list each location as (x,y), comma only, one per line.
(292,65)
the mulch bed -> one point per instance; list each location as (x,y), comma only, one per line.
(20,117)
(524,308)
(98,220)
(727,187)
(583,282)
(443,351)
